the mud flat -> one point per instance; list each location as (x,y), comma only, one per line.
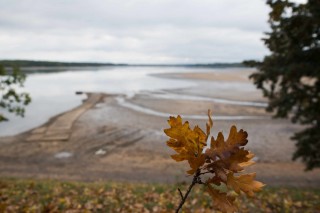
(115,137)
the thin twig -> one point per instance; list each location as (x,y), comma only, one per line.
(184,198)
(205,172)
(199,181)
(180,193)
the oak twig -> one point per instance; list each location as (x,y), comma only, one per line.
(180,193)
(184,198)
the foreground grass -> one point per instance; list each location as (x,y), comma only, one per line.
(19,195)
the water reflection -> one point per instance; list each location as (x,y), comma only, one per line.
(53,93)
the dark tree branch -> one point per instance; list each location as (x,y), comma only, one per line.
(184,198)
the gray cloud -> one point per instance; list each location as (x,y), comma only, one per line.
(133,31)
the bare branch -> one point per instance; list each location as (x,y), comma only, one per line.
(180,193)
(184,198)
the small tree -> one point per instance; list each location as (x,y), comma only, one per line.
(11,100)
(220,161)
(289,77)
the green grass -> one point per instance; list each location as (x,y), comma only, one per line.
(25,195)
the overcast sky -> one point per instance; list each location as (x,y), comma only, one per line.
(133,31)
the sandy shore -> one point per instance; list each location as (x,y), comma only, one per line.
(225,75)
(107,140)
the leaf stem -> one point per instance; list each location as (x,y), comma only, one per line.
(184,198)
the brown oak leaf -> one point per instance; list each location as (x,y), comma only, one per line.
(223,149)
(222,201)
(245,183)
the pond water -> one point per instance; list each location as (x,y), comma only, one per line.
(53,93)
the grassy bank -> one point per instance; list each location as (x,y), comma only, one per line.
(19,195)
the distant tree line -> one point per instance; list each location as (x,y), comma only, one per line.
(28,63)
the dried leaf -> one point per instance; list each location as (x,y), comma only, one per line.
(245,183)
(219,170)
(222,201)
(249,162)
(238,160)
(209,124)
(223,149)
(187,143)
(237,138)
(195,163)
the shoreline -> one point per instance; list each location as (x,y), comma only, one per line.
(226,75)
(111,142)
(52,119)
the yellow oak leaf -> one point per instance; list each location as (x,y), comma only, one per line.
(178,131)
(186,142)
(222,201)
(180,157)
(182,137)
(245,183)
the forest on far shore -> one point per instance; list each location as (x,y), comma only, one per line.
(31,63)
